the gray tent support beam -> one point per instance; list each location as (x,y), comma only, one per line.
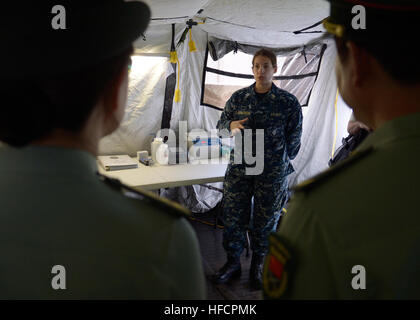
(169,90)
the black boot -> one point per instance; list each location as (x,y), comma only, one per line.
(231,270)
(255,272)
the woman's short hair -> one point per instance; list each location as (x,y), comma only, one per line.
(266,53)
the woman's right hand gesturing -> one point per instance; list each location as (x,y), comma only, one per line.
(237,126)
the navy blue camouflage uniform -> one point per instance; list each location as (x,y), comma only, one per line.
(280,115)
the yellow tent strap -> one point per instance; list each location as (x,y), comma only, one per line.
(173,57)
(336,125)
(191,44)
(177,91)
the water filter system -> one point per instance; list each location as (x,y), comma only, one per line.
(207,148)
(201,149)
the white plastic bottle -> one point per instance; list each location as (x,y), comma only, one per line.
(162,154)
(155,145)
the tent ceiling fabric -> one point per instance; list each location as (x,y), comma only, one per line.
(265,22)
(169,9)
(269,15)
(266,38)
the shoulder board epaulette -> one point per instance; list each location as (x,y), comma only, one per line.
(279,268)
(316,180)
(166,205)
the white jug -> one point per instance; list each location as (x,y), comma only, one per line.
(162,154)
(155,145)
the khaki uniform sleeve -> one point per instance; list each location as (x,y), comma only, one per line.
(311,276)
(186,263)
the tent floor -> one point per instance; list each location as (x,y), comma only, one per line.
(213,255)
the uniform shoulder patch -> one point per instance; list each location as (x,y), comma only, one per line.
(323,176)
(278,268)
(166,205)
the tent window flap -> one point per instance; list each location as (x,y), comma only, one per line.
(297,73)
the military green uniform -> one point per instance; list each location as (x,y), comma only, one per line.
(364,212)
(56,211)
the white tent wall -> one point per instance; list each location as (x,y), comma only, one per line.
(143,113)
(191,66)
(146,92)
(323,126)
(156,41)
(196,198)
(145,100)
(198,116)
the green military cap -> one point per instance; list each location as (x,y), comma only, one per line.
(374,20)
(53,37)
